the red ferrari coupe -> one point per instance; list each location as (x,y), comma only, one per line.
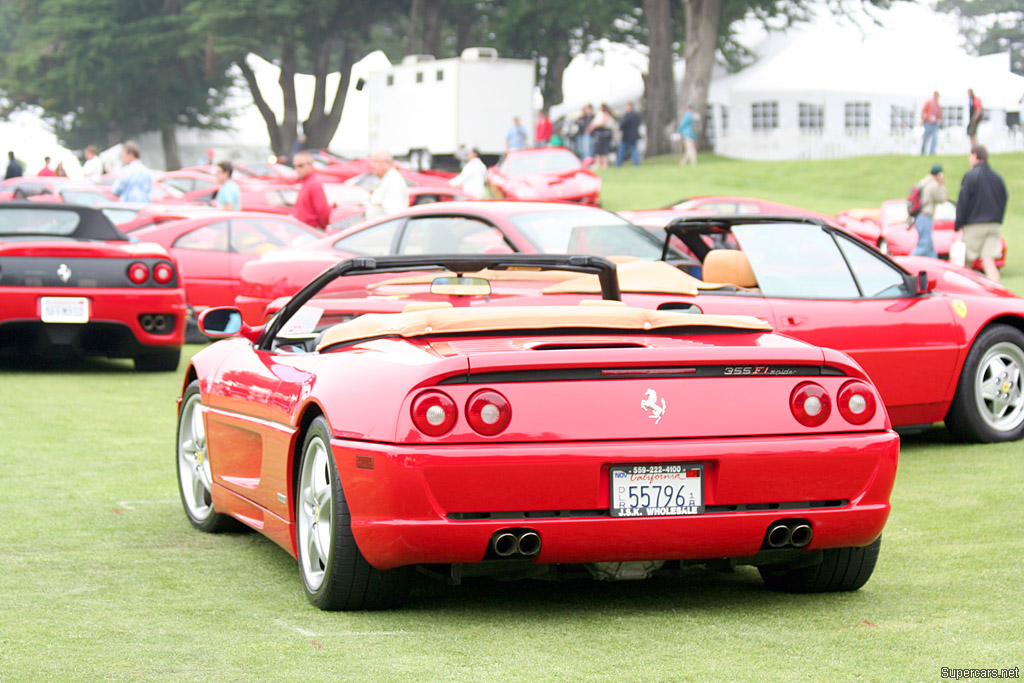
(70,282)
(52,189)
(544,174)
(536,441)
(480,227)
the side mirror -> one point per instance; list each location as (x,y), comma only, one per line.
(221,322)
(925,284)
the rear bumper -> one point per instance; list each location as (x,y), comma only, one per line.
(442,505)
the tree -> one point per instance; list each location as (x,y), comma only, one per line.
(317,37)
(106,70)
(660,82)
(991,26)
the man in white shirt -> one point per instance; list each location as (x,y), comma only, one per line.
(391,194)
(92,169)
(473,179)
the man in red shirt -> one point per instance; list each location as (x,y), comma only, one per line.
(311,205)
(46,170)
(543,131)
(931,115)
(973,116)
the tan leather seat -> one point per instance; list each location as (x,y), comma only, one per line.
(730,266)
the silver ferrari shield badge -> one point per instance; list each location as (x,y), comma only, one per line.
(64,273)
(651,406)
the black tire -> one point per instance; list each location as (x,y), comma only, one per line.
(989,402)
(193,465)
(164,360)
(840,569)
(335,575)
(192,333)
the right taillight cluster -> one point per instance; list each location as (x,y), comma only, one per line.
(435,413)
(811,404)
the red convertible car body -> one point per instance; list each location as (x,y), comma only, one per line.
(532,441)
(544,174)
(477,227)
(70,282)
(212,247)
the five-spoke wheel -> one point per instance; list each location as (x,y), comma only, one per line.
(195,479)
(989,400)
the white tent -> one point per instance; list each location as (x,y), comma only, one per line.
(837,88)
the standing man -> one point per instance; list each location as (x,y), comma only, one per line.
(629,133)
(14,169)
(473,178)
(931,115)
(543,130)
(92,169)
(46,170)
(133,180)
(689,137)
(584,143)
(515,136)
(979,212)
(229,196)
(311,205)
(391,194)
(974,117)
(933,193)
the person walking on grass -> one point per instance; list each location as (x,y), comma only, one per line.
(689,137)
(933,193)
(979,212)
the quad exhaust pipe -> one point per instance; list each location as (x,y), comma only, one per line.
(155,323)
(509,542)
(795,533)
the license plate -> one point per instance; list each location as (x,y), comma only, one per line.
(64,309)
(657,490)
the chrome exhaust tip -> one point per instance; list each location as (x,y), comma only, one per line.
(778,535)
(504,544)
(800,535)
(147,323)
(529,543)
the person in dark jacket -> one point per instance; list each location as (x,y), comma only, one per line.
(629,130)
(979,212)
(14,169)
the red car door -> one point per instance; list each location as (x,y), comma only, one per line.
(828,289)
(205,262)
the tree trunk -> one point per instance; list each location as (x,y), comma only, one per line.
(415,31)
(556,67)
(659,83)
(290,124)
(169,140)
(702,20)
(464,30)
(321,126)
(266,112)
(432,27)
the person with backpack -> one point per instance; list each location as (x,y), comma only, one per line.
(921,204)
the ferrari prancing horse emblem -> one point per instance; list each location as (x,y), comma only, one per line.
(650,403)
(64,273)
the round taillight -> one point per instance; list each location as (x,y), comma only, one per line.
(810,404)
(857,402)
(434,413)
(138,273)
(163,273)
(488,412)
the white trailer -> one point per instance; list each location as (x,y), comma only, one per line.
(433,111)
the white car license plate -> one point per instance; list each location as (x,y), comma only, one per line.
(64,309)
(657,490)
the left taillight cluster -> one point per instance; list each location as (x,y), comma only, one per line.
(435,413)
(811,404)
(162,272)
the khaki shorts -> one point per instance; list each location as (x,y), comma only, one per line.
(983,241)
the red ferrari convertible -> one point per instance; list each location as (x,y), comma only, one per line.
(544,174)
(537,441)
(70,282)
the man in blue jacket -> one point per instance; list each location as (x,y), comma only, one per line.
(979,212)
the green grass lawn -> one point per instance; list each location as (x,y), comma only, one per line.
(103,578)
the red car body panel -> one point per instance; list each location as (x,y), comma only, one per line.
(544,177)
(420,499)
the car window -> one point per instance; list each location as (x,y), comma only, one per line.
(346,223)
(729,208)
(590,232)
(255,236)
(373,241)
(367,181)
(182,184)
(82,197)
(119,216)
(796,260)
(451,235)
(877,278)
(38,222)
(340,193)
(946,211)
(211,237)
(549,162)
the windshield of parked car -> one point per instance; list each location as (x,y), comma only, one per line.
(549,162)
(38,222)
(586,232)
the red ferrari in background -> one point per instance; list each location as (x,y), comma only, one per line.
(471,227)
(544,174)
(72,283)
(532,441)
(54,190)
(212,247)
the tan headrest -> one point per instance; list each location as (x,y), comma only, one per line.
(728,265)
